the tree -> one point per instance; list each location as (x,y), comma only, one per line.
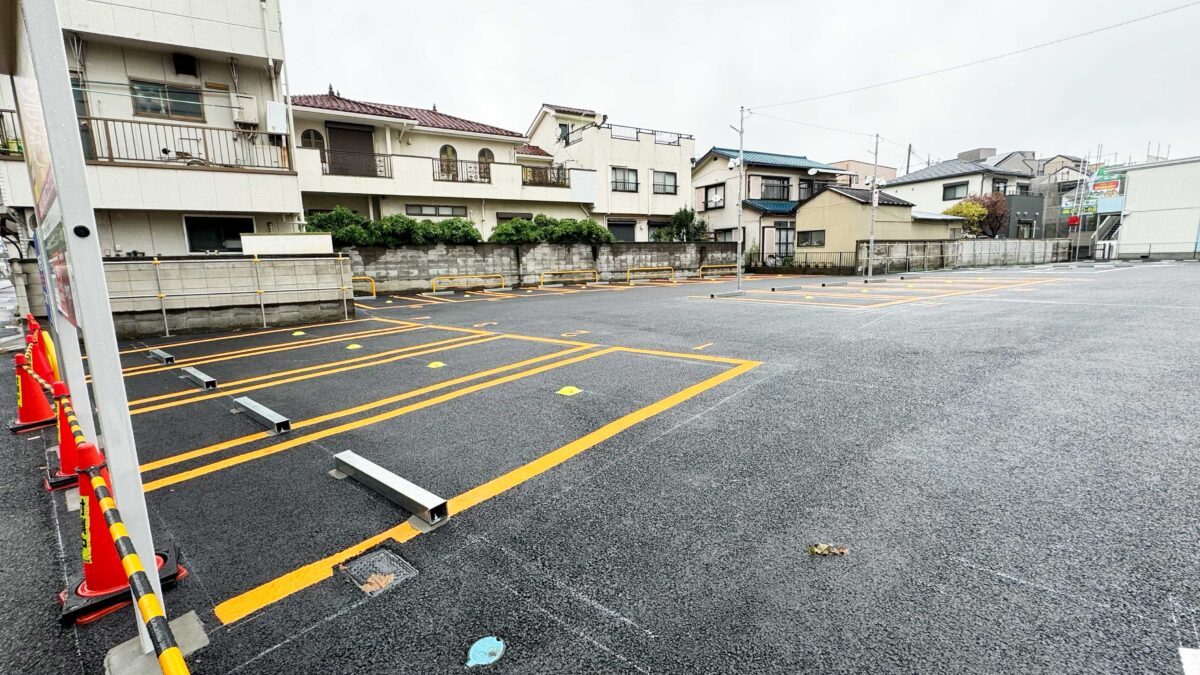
(996,221)
(972,212)
(684,226)
(543,228)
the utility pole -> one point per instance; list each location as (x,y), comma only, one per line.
(741,129)
(908,159)
(874,208)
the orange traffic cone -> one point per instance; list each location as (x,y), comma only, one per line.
(60,460)
(104,586)
(33,408)
(41,365)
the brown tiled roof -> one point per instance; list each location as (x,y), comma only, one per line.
(569,110)
(528,149)
(423,117)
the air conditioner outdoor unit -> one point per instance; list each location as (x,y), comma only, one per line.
(245,108)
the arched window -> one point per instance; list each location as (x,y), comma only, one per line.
(448,158)
(311,138)
(485,161)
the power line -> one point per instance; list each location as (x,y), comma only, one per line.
(914,150)
(977,62)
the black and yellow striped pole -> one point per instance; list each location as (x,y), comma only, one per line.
(101,574)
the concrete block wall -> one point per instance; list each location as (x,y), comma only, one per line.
(413,268)
(206,294)
(893,256)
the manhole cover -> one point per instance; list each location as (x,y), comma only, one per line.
(378,571)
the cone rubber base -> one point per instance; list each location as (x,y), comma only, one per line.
(81,607)
(25,427)
(54,479)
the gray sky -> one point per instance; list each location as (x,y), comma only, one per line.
(688,66)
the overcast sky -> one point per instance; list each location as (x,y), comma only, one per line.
(687,67)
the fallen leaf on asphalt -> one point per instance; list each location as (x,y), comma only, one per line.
(827,549)
(377,582)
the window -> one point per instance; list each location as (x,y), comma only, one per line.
(448,154)
(810,238)
(664,183)
(485,164)
(785,238)
(437,211)
(776,188)
(724,235)
(564,131)
(805,190)
(163,100)
(952,191)
(999,185)
(216,233)
(622,229)
(656,226)
(714,196)
(624,180)
(505,216)
(486,155)
(311,138)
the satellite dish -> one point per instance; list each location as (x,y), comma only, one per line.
(813,171)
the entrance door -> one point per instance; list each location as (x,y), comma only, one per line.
(351,149)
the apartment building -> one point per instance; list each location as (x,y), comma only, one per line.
(380,159)
(641,176)
(183,123)
(776,185)
(859,172)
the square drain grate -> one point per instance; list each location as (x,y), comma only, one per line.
(379,570)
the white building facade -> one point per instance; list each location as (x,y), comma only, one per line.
(183,122)
(939,187)
(1161,216)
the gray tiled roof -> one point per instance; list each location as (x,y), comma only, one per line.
(863,196)
(951,168)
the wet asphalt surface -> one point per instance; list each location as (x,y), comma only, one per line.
(1013,470)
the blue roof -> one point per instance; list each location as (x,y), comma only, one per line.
(775,207)
(755,158)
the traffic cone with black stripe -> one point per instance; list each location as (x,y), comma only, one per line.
(45,344)
(103,587)
(60,459)
(33,408)
(37,355)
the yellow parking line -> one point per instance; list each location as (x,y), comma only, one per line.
(349,426)
(379,360)
(241,335)
(835,305)
(830,294)
(270,349)
(281,587)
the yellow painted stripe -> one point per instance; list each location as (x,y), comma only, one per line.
(107,504)
(132,565)
(275,590)
(171,662)
(117,530)
(149,606)
(783,302)
(98,482)
(240,336)
(271,349)
(235,460)
(465,341)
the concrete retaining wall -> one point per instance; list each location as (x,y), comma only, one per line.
(206,294)
(413,268)
(904,256)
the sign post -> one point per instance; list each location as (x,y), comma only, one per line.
(69,252)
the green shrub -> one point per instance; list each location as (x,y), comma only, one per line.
(684,226)
(543,228)
(455,231)
(351,229)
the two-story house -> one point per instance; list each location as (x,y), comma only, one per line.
(642,176)
(776,185)
(183,122)
(380,159)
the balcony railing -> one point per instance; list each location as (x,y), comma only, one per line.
(366,164)
(547,176)
(1021,190)
(462,171)
(161,144)
(625,186)
(666,188)
(10,135)
(632,134)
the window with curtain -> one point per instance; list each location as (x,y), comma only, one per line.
(164,100)
(665,183)
(624,180)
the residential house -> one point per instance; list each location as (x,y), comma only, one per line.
(776,185)
(641,176)
(183,122)
(1161,214)
(838,219)
(859,172)
(381,159)
(940,186)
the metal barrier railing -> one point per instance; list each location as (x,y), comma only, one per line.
(257,291)
(732,267)
(542,277)
(457,277)
(370,279)
(629,273)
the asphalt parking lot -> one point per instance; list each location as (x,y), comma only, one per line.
(635,474)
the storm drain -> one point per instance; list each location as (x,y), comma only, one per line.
(379,570)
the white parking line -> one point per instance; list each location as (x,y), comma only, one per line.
(1191,660)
